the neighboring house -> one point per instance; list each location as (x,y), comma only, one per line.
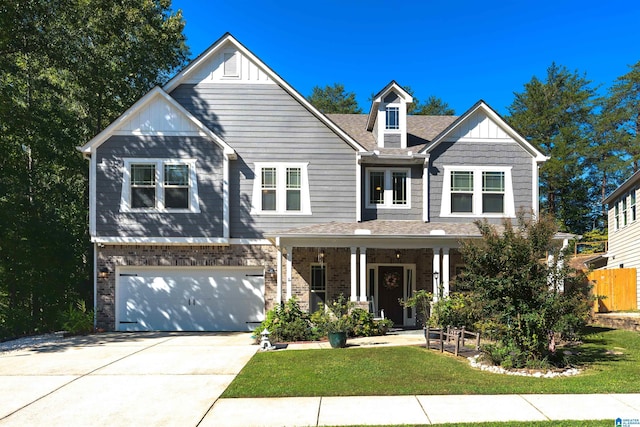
(624,228)
(225,192)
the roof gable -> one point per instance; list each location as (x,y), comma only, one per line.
(482,123)
(156,113)
(204,66)
(392,88)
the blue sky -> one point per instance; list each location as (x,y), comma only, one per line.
(460,51)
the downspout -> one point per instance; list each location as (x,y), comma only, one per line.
(95,286)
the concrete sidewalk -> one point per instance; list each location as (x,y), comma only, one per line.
(398,410)
(176,379)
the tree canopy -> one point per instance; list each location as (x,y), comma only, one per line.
(334,100)
(556,116)
(67,69)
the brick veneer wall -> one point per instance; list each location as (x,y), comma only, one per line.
(113,256)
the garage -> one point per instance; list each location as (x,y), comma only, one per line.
(189,299)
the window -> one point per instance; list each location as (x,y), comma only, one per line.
(159,185)
(376,188)
(492,192)
(625,210)
(461,191)
(388,188)
(393,118)
(143,186)
(293,189)
(477,191)
(176,186)
(318,286)
(281,188)
(269,188)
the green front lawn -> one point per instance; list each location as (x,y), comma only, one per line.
(610,360)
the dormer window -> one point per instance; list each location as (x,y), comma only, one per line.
(393,118)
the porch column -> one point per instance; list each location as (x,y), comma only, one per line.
(289,250)
(279,272)
(445,272)
(436,274)
(363,274)
(354,274)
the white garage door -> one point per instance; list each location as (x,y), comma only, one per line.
(188,299)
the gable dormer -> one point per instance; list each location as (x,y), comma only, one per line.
(388,116)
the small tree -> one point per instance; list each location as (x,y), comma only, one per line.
(525,301)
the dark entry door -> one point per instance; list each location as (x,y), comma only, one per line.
(390,286)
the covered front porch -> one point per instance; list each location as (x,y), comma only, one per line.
(374,264)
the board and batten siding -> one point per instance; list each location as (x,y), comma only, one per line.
(263,123)
(468,153)
(624,244)
(111,222)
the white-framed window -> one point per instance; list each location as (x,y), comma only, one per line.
(281,189)
(477,191)
(159,185)
(392,121)
(388,188)
(318,285)
(625,210)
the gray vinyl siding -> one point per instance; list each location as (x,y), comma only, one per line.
(263,123)
(414,213)
(110,222)
(480,154)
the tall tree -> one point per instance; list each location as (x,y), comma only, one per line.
(334,100)
(621,109)
(67,68)
(556,116)
(434,106)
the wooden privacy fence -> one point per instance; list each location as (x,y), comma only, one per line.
(456,336)
(615,289)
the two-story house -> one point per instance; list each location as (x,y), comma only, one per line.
(624,228)
(225,192)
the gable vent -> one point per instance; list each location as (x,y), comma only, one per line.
(231,64)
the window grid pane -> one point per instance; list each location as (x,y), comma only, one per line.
(493,181)
(399,182)
(143,186)
(376,188)
(633,205)
(176,175)
(462,181)
(392,121)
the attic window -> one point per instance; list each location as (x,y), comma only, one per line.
(393,118)
(231,68)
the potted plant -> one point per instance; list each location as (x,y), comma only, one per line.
(337,322)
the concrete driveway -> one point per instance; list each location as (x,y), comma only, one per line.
(159,379)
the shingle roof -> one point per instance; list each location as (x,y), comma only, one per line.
(421,130)
(382,228)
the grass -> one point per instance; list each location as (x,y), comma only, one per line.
(610,360)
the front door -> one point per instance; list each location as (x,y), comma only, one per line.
(390,290)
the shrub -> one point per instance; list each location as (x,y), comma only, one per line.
(421,300)
(287,323)
(523,301)
(456,310)
(77,320)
